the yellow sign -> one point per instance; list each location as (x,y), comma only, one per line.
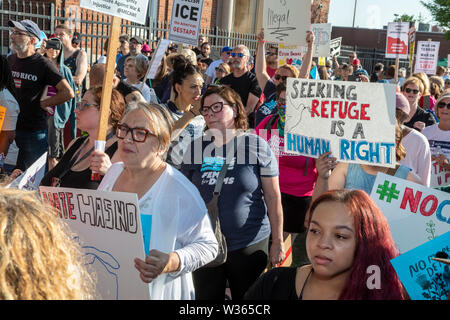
(2,116)
(321,61)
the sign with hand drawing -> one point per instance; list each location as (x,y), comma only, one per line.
(286,21)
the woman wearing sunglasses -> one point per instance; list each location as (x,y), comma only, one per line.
(80,160)
(173,214)
(247,218)
(418,118)
(221,71)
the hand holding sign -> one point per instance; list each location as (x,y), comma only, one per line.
(155,263)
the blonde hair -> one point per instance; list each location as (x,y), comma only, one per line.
(291,68)
(414,80)
(190,55)
(160,121)
(140,64)
(425,81)
(38,257)
(226,66)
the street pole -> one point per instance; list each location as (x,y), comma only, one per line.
(354,14)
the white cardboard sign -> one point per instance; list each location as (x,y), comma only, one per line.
(31,178)
(286,21)
(416,214)
(108,227)
(185,21)
(133,10)
(397,40)
(353,120)
(322,33)
(335,47)
(427,57)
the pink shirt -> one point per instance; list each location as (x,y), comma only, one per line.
(292,167)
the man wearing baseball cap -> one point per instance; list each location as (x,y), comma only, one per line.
(136,43)
(210,73)
(32,73)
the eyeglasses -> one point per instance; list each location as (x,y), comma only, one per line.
(442,105)
(137,134)
(84,105)
(220,70)
(18,33)
(239,54)
(215,107)
(408,90)
(278,77)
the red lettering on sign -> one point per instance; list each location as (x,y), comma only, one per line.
(413,200)
(433,207)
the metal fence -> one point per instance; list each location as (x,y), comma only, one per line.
(94,27)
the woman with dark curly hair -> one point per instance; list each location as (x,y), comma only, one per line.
(75,167)
(347,234)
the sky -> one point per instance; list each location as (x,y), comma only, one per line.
(374,14)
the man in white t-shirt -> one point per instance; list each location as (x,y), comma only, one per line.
(210,73)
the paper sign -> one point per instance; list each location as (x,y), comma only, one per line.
(422,277)
(322,33)
(415,213)
(2,116)
(427,57)
(290,54)
(156,58)
(397,40)
(185,21)
(439,176)
(108,227)
(286,21)
(335,47)
(31,178)
(133,10)
(353,120)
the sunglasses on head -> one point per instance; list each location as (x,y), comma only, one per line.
(442,105)
(239,54)
(408,90)
(220,70)
(278,77)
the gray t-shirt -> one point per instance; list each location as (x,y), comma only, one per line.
(242,210)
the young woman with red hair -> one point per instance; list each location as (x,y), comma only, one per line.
(347,234)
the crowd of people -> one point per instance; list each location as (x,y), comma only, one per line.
(192,136)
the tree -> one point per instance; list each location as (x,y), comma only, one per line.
(440,10)
(404,18)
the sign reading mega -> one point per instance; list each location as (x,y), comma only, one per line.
(185,21)
(133,10)
(355,121)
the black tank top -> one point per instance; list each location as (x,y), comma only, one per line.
(75,179)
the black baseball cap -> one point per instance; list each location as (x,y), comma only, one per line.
(27,26)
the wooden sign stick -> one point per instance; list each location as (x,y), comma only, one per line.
(397,62)
(107,87)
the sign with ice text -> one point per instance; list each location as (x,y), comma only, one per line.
(397,40)
(416,214)
(322,35)
(353,120)
(289,54)
(286,21)
(133,10)
(185,21)
(423,277)
(427,57)
(108,227)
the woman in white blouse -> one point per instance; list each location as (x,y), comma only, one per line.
(177,231)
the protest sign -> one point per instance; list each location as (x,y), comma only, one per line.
(353,120)
(31,178)
(2,116)
(412,44)
(133,10)
(156,59)
(289,54)
(108,227)
(185,21)
(286,21)
(335,47)
(397,40)
(439,176)
(427,57)
(415,213)
(422,277)
(322,33)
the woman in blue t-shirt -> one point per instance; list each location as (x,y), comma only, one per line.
(249,205)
